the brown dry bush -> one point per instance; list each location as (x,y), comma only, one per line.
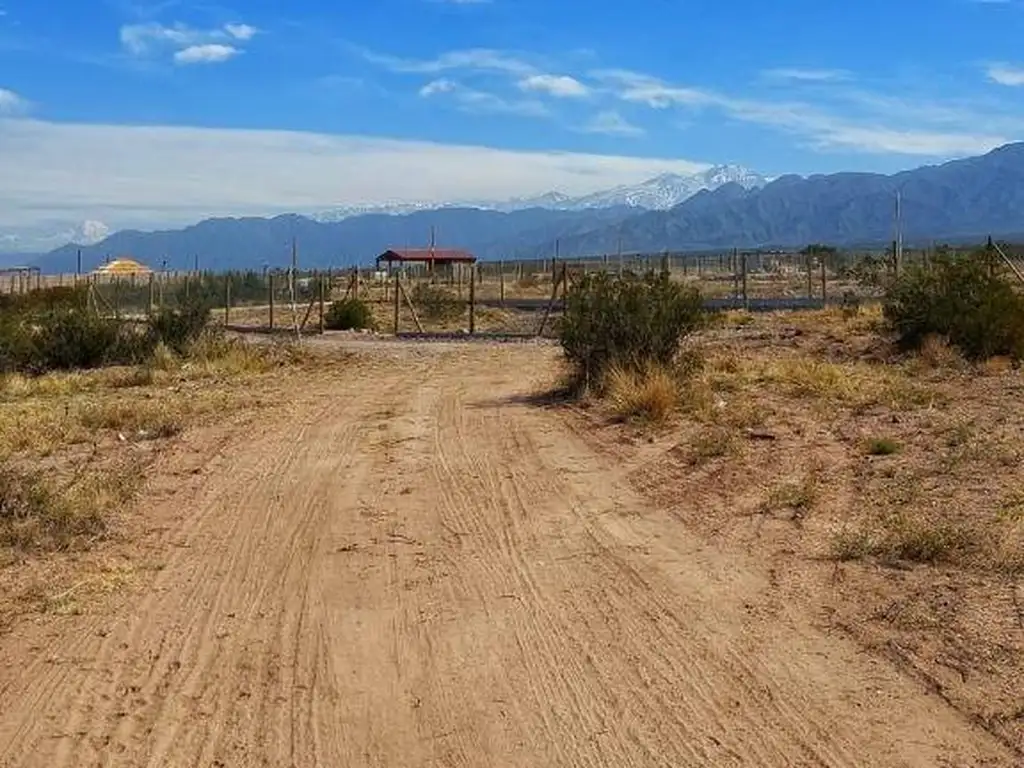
(37,515)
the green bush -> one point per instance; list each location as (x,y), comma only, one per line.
(961,298)
(627,322)
(76,338)
(436,304)
(180,328)
(53,329)
(349,315)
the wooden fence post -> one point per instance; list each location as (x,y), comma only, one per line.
(810,278)
(743,267)
(472,300)
(152,294)
(734,264)
(398,287)
(270,295)
(227,299)
(824,283)
(355,283)
(501,282)
(320,284)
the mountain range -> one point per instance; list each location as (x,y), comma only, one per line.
(961,199)
(725,208)
(660,193)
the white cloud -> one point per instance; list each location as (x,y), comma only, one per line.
(11,103)
(562,86)
(908,133)
(645,89)
(149,176)
(190,45)
(139,39)
(471,58)
(442,85)
(476,101)
(211,53)
(241,31)
(611,123)
(808,75)
(1006,74)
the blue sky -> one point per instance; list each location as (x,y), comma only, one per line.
(146,112)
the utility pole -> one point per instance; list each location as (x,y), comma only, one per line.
(899,231)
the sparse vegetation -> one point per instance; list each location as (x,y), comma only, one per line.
(797,497)
(55,329)
(902,538)
(962,298)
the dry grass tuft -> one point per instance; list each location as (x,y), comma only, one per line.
(797,497)
(908,538)
(651,395)
(856,385)
(146,419)
(936,353)
(995,366)
(39,514)
(164,359)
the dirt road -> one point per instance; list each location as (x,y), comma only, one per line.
(416,567)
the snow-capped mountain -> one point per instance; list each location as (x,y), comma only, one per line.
(348,211)
(657,194)
(670,189)
(53,235)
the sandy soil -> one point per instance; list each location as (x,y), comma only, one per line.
(418,566)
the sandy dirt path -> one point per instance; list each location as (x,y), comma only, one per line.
(419,568)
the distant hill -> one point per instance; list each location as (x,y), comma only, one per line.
(964,198)
(8,260)
(243,243)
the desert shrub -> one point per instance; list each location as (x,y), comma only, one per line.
(349,315)
(54,329)
(436,304)
(16,343)
(76,338)
(179,328)
(627,323)
(961,299)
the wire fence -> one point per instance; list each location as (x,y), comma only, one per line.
(504,297)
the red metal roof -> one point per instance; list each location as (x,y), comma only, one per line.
(442,255)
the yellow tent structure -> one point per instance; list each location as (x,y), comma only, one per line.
(123,266)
